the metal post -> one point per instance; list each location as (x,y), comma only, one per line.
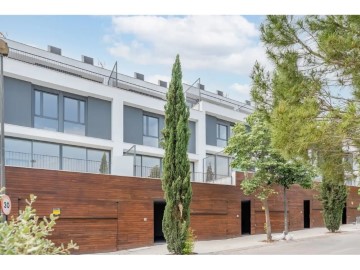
(2,144)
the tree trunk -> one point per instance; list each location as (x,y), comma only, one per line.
(267,219)
(286,225)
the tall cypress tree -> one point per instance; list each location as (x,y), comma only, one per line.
(176,166)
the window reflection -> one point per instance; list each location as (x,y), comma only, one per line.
(46,111)
(150,131)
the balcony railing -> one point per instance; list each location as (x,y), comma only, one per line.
(211,178)
(29,160)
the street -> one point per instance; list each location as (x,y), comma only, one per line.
(346,243)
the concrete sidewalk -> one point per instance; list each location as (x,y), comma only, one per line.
(244,242)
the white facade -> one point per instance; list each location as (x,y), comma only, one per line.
(23,64)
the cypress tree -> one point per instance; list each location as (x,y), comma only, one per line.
(176,166)
(104,168)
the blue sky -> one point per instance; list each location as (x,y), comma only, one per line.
(221,50)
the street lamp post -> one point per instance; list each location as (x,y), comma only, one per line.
(4,51)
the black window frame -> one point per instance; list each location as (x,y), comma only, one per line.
(146,128)
(41,115)
(218,125)
(79,100)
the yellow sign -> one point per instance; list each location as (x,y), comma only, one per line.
(56,211)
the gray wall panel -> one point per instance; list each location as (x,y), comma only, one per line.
(133,125)
(99,118)
(192,140)
(17,102)
(211,130)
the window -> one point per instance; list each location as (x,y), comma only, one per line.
(209,169)
(98,161)
(222,166)
(74,116)
(148,166)
(192,171)
(18,152)
(74,159)
(150,131)
(36,154)
(151,167)
(216,167)
(46,111)
(46,155)
(221,135)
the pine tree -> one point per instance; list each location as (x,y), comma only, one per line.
(104,168)
(312,96)
(176,173)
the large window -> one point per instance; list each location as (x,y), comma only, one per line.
(148,166)
(74,116)
(46,155)
(46,111)
(18,152)
(221,135)
(98,161)
(216,167)
(27,153)
(150,131)
(74,158)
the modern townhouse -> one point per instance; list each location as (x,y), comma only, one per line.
(87,142)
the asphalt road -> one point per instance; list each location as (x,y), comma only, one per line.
(345,243)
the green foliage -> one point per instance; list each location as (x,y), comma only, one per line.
(28,235)
(359,204)
(176,166)
(155,172)
(333,197)
(190,242)
(252,149)
(312,97)
(104,168)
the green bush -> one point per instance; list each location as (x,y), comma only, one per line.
(333,197)
(27,235)
(189,243)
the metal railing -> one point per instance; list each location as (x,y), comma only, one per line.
(55,65)
(29,160)
(147,172)
(156,172)
(193,93)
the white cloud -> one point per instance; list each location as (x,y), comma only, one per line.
(156,77)
(225,43)
(239,91)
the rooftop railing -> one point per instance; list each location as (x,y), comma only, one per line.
(114,79)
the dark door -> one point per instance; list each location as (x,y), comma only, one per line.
(245,217)
(306,214)
(159,208)
(344,215)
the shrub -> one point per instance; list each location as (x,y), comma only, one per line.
(26,235)
(189,243)
(333,198)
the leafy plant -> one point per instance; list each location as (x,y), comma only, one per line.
(333,197)
(190,242)
(26,234)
